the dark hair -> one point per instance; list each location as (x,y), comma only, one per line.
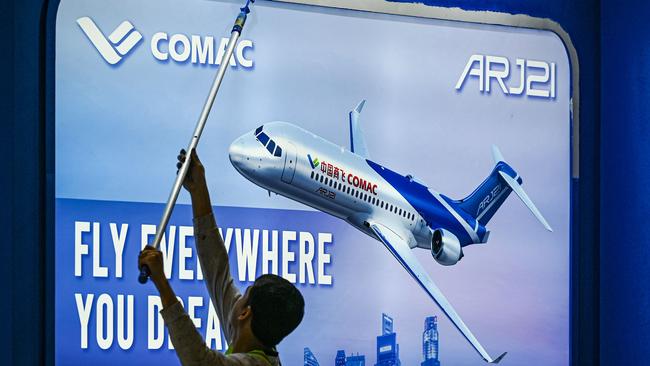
(277,307)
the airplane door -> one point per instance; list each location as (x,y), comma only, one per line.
(290,158)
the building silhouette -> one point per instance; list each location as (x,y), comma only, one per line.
(340,358)
(355,360)
(387,347)
(430,350)
(386,324)
(310,359)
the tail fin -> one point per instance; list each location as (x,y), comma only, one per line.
(484,202)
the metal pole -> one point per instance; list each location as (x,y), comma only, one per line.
(182,172)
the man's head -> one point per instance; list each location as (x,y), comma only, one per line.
(276,309)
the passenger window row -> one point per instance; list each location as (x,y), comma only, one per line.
(361,195)
(267,142)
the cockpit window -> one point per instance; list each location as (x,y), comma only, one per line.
(267,142)
(264,139)
(271,147)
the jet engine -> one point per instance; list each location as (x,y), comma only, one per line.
(445,247)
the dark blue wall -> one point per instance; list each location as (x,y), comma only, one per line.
(26,259)
(625,184)
(6,180)
(22,250)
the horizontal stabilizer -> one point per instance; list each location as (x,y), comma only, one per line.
(525,199)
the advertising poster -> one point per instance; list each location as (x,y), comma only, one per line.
(448,105)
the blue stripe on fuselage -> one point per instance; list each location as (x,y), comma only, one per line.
(433,212)
(480,232)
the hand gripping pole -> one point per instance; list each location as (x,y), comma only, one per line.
(182,172)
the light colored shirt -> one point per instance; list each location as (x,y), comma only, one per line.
(190,346)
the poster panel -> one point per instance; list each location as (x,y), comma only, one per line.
(131,78)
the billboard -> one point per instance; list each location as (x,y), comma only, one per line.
(131,78)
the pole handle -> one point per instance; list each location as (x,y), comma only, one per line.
(144,274)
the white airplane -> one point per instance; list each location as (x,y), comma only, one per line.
(395,209)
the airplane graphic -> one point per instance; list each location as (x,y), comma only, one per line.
(395,209)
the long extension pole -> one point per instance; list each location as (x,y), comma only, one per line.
(180,177)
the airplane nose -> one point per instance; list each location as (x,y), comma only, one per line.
(236,152)
(255,160)
(243,153)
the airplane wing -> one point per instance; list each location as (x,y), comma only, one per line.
(357,141)
(399,248)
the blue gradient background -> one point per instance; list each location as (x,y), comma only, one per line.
(311,67)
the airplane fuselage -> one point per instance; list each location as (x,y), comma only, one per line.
(302,166)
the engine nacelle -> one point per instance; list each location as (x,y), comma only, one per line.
(445,247)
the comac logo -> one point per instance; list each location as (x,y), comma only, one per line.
(123,39)
(313,162)
(164,47)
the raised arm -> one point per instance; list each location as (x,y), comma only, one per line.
(210,247)
(190,346)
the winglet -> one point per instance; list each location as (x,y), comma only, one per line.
(357,142)
(498,359)
(360,106)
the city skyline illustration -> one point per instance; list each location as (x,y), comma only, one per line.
(387,347)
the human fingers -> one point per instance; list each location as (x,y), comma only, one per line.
(150,257)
